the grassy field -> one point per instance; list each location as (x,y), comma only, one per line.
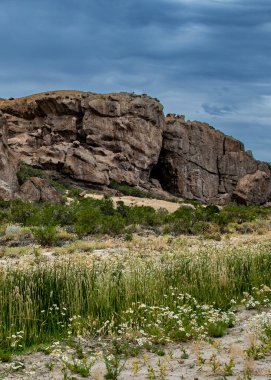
(163,288)
(135,288)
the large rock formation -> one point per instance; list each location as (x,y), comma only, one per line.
(90,137)
(199,162)
(8,165)
(123,137)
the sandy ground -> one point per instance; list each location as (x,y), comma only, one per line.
(135,201)
(190,360)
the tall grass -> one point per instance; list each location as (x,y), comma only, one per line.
(42,300)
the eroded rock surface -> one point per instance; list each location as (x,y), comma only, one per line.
(38,189)
(253,188)
(124,137)
(90,137)
(8,165)
(199,162)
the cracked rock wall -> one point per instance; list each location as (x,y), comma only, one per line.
(90,137)
(96,138)
(199,162)
(8,165)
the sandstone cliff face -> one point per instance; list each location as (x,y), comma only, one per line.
(97,138)
(90,137)
(199,162)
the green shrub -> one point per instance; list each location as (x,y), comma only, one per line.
(26,171)
(59,186)
(87,221)
(91,221)
(21,211)
(182,220)
(47,214)
(74,192)
(46,236)
(208,213)
(129,190)
(122,209)
(212,236)
(106,206)
(201,227)
(241,214)
(112,225)
(143,215)
(128,236)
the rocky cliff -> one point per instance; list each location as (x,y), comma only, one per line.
(96,139)
(92,138)
(199,162)
(8,165)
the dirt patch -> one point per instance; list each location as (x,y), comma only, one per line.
(135,201)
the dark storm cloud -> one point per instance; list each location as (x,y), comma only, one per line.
(208,59)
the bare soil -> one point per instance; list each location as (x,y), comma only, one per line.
(135,201)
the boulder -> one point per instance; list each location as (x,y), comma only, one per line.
(253,188)
(38,189)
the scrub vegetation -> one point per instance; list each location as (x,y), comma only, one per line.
(92,216)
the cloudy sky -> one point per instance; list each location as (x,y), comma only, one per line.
(207,59)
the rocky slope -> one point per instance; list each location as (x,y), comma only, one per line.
(96,139)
